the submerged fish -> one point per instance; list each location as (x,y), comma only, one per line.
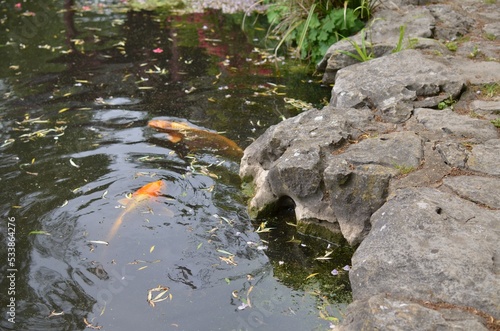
(196,139)
(142,195)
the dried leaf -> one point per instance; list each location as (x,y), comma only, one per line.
(311,275)
(73,163)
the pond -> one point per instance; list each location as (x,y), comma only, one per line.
(78,90)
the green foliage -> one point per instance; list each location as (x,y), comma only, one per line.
(366,8)
(399,46)
(447,103)
(362,53)
(496,122)
(491,90)
(452,46)
(311,28)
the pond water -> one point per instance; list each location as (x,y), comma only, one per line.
(78,89)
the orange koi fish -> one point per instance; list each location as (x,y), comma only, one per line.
(196,139)
(145,193)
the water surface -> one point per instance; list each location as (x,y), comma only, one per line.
(79,87)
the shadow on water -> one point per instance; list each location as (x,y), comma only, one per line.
(79,87)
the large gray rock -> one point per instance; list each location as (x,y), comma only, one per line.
(386,313)
(431,246)
(485,158)
(449,123)
(314,160)
(450,23)
(380,37)
(482,190)
(392,84)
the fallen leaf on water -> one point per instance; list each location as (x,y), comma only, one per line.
(87,324)
(152,249)
(54,313)
(225,252)
(98,242)
(160,296)
(142,268)
(228,260)
(39,232)
(73,163)
(311,275)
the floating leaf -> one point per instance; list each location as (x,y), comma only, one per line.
(73,163)
(199,246)
(142,268)
(39,232)
(159,297)
(152,249)
(98,242)
(311,275)
(225,252)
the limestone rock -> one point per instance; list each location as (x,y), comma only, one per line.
(450,24)
(449,123)
(483,190)
(385,313)
(380,84)
(381,37)
(485,158)
(432,246)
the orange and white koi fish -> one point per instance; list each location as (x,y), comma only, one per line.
(142,195)
(196,139)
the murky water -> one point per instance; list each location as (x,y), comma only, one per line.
(78,88)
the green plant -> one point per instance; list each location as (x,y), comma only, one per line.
(491,90)
(366,8)
(475,51)
(404,169)
(362,54)
(496,122)
(399,46)
(452,46)
(310,27)
(447,103)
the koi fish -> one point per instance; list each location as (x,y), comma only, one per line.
(145,193)
(196,139)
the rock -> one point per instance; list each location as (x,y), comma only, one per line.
(381,38)
(278,160)
(431,246)
(449,123)
(381,84)
(385,313)
(453,154)
(487,109)
(450,24)
(417,188)
(492,29)
(476,72)
(485,158)
(482,190)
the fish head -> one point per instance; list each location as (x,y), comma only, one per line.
(152,189)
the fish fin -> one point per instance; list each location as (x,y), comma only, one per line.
(124,201)
(174,137)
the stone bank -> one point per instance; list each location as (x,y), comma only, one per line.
(405,163)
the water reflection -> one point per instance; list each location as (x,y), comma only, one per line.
(77,98)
